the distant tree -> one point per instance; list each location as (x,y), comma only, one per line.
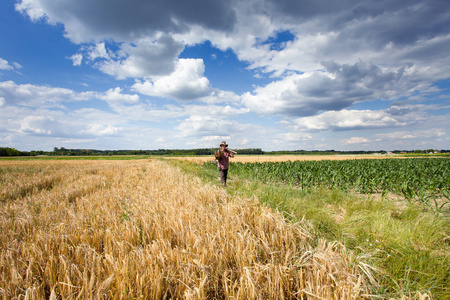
(5,151)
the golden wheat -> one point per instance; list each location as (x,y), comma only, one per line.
(141,229)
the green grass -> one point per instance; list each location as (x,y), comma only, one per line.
(408,246)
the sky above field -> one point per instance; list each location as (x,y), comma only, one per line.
(269,74)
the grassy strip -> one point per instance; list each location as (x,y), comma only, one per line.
(409,247)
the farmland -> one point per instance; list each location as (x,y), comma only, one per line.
(143,230)
(416,179)
(395,211)
(152,229)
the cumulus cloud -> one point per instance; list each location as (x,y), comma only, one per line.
(40,125)
(185,83)
(151,35)
(334,88)
(38,95)
(115,95)
(205,125)
(219,96)
(362,119)
(145,58)
(337,31)
(382,32)
(77,59)
(81,125)
(210,121)
(45,96)
(340,53)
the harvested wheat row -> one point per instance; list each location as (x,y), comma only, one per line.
(141,229)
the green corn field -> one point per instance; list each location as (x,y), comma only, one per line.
(424,180)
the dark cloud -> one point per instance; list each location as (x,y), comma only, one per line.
(402,25)
(349,83)
(363,81)
(128,20)
(378,22)
(307,9)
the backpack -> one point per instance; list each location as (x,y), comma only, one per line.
(218,154)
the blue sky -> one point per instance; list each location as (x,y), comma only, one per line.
(270,74)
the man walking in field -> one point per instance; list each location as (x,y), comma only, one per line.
(223,158)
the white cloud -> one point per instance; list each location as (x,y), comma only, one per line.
(218,96)
(415,134)
(83,124)
(297,95)
(115,95)
(16,65)
(100,130)
(38,95)
(97,51)
(384,32)
(362,119)
(77,59)
(145,58)
(215,111)
(296,136)
(341,54)
(35,12)
(210,121)
(356,140)
(146,113)
(335,88)
(37,125)
(185,83)
(201,125)
(45,96)
(4,65)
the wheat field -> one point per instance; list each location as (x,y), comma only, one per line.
(141,229)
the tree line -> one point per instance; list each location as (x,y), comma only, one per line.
(62,151)
(4,151)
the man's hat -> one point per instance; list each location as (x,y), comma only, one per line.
(224,144)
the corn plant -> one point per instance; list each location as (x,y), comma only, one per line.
(423,180)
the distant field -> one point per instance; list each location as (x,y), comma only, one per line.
(281,158)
